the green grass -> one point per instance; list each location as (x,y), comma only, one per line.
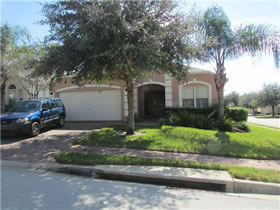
(238,172)
(260,143)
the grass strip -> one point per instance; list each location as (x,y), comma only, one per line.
(260,143)
(239,172)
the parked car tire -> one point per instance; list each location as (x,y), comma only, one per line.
(34,129)
(60,122)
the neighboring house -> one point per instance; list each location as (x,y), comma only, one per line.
(108,102)
(268,110)
(15,93)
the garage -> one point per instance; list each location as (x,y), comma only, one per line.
(97,105)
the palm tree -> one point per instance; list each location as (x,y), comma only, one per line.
(231,44)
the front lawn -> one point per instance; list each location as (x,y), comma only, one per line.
(260,143)
(238,172)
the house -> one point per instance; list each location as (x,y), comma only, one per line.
(108,102)
(15,92)
(268,110)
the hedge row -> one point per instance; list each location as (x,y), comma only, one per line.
(237,114)
(206,118)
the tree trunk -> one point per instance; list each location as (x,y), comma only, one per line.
(272,110)
(130,100)
(253,111)
(221,108)
(220,81)
(3,92)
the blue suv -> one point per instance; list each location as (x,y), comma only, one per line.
(29,116)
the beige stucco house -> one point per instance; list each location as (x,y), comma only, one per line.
(108,102)
(15,92)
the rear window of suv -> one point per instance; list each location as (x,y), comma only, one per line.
(59,103)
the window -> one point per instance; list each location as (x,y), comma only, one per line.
(201,97)
(20,94)
(197,97)
(45,106)
(188,97)
(53,105)
(59,103)
(12,95)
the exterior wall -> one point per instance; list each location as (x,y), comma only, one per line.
(171,86)
(268,110)
(194,79)
(68,86)
(19,89)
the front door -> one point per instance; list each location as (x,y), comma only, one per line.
(154,103)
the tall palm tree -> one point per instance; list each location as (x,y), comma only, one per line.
(231,44)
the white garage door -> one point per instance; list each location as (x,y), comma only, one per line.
(92,105)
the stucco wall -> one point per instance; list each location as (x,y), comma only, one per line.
(154,82)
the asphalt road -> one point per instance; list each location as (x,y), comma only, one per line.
(27,189)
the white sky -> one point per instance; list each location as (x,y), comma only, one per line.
(247,74)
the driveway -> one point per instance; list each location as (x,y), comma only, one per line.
(51,140)
(265,122)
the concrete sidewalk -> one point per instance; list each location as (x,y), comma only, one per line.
(167,176)
(186,177)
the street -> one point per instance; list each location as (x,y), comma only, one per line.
(266,122)
(28,189)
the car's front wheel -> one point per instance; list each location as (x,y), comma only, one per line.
(60,122)
(34,129)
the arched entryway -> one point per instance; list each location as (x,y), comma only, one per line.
(151,100)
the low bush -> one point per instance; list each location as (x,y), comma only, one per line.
(241,127)
(237,114)
(195,118)
(227,125)
(207,118)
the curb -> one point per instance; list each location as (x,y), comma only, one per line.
(236,185)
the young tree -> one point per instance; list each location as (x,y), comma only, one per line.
(10,38)
(231,44)
(29,58)
(118,40)
(250,100)
(232,97)
(270,95)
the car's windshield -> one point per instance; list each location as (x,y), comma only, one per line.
(26,106)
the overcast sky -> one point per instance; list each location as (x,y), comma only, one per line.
(245,74)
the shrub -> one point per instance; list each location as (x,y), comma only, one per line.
(241,126)
(237,114)
(195,118)
(227,125)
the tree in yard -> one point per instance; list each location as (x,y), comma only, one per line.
(29,58)
(250,100)
(270,96)
(11,38)
(230,44)
(232,97)
(118,40)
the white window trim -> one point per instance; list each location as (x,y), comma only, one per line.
(195,82)
(150,83)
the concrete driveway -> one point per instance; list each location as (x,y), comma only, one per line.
(265,121)
(51,140)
